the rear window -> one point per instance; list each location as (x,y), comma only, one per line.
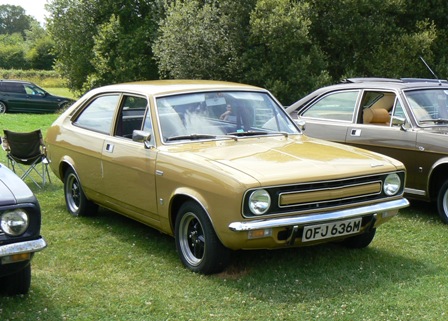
(12,88)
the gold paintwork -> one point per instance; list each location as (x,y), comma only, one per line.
(148,184)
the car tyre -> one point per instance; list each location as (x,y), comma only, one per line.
(360,241)
(3,107)
(197,244)
(75,199)
(442,203)
(17,283)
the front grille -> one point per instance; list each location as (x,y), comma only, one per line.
(329,194)
(321,195)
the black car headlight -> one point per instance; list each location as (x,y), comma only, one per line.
(259,201)
(392,184)
(14,222)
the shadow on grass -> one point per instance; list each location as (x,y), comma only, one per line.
(285,275)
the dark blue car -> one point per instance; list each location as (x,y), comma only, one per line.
(18,96)
(20,222)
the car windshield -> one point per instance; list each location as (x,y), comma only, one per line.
(429,106)
(224,114)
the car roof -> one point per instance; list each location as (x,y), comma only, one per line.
(373,83)
(15,81)
(156,87)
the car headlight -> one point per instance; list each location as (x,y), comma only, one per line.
(392,184)
(14,222)
(259,202)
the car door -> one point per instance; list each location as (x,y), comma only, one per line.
(38,101)
(390,135)
(128,181)
(331,116)
(90,129)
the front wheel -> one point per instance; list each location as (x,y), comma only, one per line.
(198,246)
(18,283)
(75,199)
(442,203)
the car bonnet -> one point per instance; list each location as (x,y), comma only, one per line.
(12,189)
(295,159)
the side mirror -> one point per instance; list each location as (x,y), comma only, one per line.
(142,137)
(300,123)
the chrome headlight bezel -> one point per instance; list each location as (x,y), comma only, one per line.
(392,184)
(14,222)
(259,202)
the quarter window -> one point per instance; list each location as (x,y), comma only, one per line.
(99,114)
(337,106)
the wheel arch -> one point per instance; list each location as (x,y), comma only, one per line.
(179,198)
(437,177)
(64,165)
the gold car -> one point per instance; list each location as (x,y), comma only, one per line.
(220,166)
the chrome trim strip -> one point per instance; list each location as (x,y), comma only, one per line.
(415,191)
(319,217)
(23,247)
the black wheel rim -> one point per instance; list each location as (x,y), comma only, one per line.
(192,239)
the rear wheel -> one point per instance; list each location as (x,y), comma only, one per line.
(198,246)
(360,241)
(75,199)
(19,282)
(442,203)
(2,107)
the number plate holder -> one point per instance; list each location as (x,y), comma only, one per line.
(330,230)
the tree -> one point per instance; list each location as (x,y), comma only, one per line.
(122,51)
(282,56)
(14,20)
(202,39)
(368,38)
(102,42)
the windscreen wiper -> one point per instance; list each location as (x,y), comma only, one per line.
(191,137)
(256,133)
(248,133)
(434,120)
(199,136)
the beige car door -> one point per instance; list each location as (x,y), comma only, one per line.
(331,116)
(129,167)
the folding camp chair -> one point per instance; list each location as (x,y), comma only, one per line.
(25,151)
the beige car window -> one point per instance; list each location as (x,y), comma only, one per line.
(99,114)
(337,106)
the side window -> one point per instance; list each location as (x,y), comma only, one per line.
(131,115)
(98,115)
(336,106)
(13,88)
(377,107)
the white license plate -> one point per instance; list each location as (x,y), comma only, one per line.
(335,229)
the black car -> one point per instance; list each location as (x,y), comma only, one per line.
(18,96)
(20,222)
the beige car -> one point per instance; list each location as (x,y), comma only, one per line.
(220,166)
(406,119)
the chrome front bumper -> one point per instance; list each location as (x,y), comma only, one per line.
(319,218)
(23,247)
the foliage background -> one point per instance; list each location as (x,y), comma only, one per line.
(290,47)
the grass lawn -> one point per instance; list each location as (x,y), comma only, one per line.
(108,267)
